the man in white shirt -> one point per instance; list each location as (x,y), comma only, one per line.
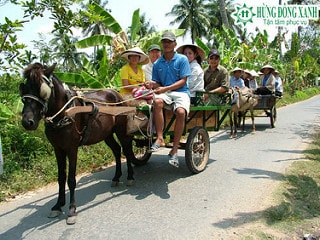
(154,52)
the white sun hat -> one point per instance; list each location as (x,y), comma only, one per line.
(254,73)
(144,59)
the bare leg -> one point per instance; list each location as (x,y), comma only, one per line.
(178,129)
(159,122)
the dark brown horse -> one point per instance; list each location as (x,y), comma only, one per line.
(46,97)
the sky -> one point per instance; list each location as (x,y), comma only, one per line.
(122,11)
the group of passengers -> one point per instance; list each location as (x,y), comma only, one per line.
(174,77)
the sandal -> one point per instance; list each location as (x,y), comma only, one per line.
(155,147)
(173,160)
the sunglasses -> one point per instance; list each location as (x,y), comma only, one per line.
(214,58)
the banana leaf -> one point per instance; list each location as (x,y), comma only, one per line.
(97,40)
(108,20)
(91,81)
(71,78)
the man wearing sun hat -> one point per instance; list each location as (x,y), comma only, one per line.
(169,78)
(154,52)
(132,74)
(236,80)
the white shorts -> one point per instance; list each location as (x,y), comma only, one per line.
(175,100)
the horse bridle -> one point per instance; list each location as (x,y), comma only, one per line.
(44,103)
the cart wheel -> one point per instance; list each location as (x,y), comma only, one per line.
(140,146)
(273,117)
(197,149)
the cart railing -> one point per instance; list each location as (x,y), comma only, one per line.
(202,114)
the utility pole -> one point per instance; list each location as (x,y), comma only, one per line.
(279,35)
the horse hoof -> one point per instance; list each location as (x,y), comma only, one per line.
(130,182)
(71,220)
(114,184)
(54,214)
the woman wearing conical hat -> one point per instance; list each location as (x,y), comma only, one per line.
(195,81)
(132,74)
(267,85)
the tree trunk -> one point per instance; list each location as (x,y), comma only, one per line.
(223,11)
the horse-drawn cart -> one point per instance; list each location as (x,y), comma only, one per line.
(74,119)
(267,103)
(202,118)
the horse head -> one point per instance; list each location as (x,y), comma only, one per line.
(35,94)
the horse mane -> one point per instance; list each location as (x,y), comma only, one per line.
(33,72)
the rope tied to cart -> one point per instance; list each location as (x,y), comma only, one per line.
(50,119)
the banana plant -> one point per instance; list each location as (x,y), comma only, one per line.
(118,42)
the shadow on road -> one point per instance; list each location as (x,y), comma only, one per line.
(151,179)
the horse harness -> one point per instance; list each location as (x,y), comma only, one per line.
(47,91)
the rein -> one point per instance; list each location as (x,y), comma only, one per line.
(49,119)
(44,103)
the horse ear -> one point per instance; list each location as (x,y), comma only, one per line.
(48,71)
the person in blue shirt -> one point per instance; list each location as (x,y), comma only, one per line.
(278,83)
(169,82)
(236,80)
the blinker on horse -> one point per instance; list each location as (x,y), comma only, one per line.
(46,97)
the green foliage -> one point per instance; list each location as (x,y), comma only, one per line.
(9,45)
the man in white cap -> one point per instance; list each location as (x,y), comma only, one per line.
(169,78)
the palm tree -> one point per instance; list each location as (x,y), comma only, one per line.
(220,13)
(92,25)
(192,16)
(223,11)
(66,52)
(146,28)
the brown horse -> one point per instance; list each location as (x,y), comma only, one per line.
(46,97)
(244,101)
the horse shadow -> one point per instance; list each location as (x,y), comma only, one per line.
(150,179)
(224,135)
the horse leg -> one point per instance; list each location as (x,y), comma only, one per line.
(126,143)
(61,161)
(231,123)
(243,119)
(72,156)
(252,120)
(235,115)
(116,149)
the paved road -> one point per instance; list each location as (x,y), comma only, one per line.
(170,203)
